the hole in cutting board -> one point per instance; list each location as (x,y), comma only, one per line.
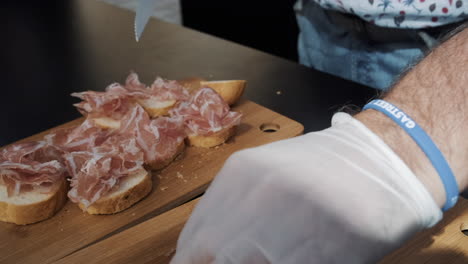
(464,228)
(269,127)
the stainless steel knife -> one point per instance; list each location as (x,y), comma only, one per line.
(144,11)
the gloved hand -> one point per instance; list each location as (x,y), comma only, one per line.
(336,196)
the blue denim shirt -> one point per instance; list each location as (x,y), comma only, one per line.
(335,48)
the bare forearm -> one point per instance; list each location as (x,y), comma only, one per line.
(435,95)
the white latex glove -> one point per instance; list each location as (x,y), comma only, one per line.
(336,196)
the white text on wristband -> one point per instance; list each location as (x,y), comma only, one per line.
(425,143)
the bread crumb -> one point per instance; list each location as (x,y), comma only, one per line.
(163,188)
(179,175)
(61,229)
(278,92)
(133,214)
(185,180)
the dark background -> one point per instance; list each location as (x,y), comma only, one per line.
(38,62)
(269,26)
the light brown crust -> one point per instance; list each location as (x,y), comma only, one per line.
(160,164)
(37,211)
(216,139)
(111,204)
(155,112)
(230,90)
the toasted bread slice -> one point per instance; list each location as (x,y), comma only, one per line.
(163,163)
(213,140)
(156,108)
(32,206)
(106,123)
(231,90)
(129,191)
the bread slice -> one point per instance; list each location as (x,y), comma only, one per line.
(129,191)
(213,140)
(157,108)
(106,123)
(163,163)
(230,90)
(32,206)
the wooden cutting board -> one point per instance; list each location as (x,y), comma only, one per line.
(445,243)
(153,241)
(189,176)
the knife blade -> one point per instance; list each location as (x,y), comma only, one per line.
(144,11)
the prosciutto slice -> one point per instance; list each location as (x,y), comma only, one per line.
(30,165)
(97,171)
(97,165)
(158,138)
(161,90)
(97,159)
(117,100)
(114,102)
(132,83)
(206,113)
(79,138)
(171,134)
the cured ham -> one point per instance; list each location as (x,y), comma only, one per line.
(161,90)
(31,165)
(171,135)
(96,172)
(136,124)
(80,138)
(113,103)
(97,159)
(206,113)
(158,138)
(139,140)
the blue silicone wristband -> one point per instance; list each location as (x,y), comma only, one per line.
(425,143)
